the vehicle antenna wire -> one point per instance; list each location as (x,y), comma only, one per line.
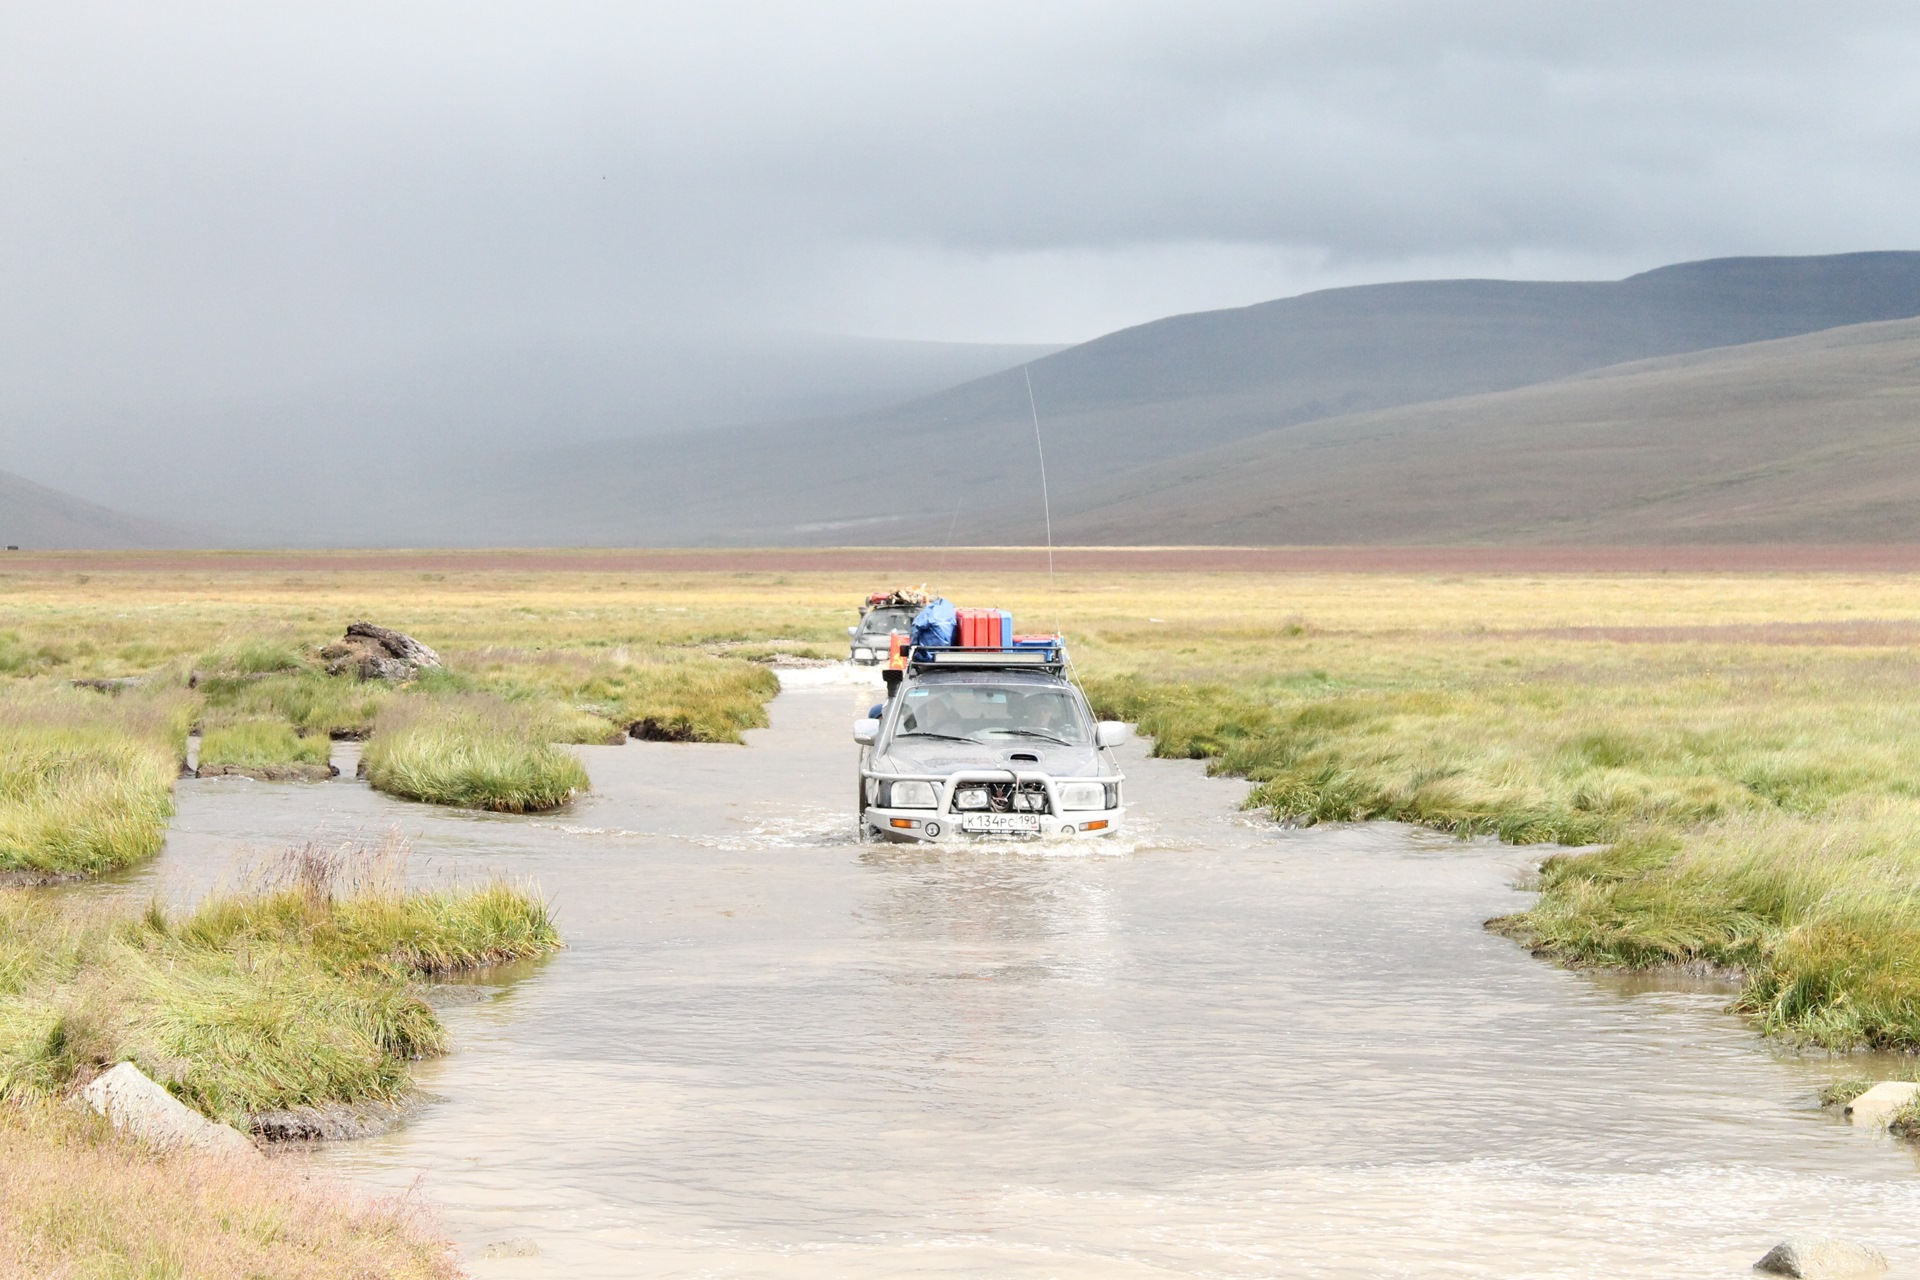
(1046,502)
(1046,508)
(940,570)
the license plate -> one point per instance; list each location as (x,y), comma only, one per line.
(1002,823)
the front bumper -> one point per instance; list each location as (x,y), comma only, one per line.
(944,822)
(924,826)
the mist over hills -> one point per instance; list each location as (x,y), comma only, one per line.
(1435,411)
(35,516)
(964,459)
(346,448)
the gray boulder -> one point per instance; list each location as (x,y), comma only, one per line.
(137,1105)
(377,653)
(1819,1258)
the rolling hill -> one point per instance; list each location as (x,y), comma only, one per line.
(1811,439)
(1114,409)
(35,517)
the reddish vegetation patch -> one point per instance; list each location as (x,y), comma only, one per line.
(1864,632)
(1844,558)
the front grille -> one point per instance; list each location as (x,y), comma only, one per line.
(1006,797)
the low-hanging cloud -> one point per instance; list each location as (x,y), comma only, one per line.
(199,199)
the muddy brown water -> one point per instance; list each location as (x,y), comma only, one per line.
(1218,1048)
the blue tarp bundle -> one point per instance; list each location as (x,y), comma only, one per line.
(934,624)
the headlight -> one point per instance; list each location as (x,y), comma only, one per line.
(911,795)
(863,655)
(1083,795)
(970,798)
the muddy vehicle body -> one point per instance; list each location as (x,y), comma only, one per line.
(882,616)
(988,743)
(868,643)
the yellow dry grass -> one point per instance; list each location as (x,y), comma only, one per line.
(1709,720)
(80,1202)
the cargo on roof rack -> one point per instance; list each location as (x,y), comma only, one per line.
(1028,656)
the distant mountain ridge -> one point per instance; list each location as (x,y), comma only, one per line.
(35,517)
(1223,426)
(1808,439)
(964,458)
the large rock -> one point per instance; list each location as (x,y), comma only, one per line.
(1877,1105)
(1818,1258)
(137,1105)
(377,653)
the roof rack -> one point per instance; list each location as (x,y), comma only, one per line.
(1050,658)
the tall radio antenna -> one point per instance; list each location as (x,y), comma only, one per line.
(1046,505)
(1046,502)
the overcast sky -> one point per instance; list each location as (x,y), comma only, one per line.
(274,180)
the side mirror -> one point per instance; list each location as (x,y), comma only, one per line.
(853,631)
(1110,733)
(865,731)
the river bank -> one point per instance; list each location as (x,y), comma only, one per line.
(1221,1016)
(1222,1047)
(281,1010)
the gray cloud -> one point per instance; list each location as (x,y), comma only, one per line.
(215,200)
(294,170)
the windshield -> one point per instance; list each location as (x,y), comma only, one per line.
(986,712)
(881,621)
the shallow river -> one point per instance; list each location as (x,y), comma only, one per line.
(1220,1048)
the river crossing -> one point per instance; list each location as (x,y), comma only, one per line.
(1220,1048)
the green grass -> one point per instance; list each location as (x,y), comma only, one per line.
(308,701)
(474,751)
(1841,1092)
(299,994)
(260,743)
(86,780)
(253,653)
(688,697)
(1762,808)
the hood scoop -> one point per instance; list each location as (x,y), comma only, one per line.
(1023,755)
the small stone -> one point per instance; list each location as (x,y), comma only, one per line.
(136,1104)
(1877,1105)
(518,1247)
(1818,1258)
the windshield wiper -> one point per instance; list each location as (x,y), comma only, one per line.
(1031,733)
(922,733)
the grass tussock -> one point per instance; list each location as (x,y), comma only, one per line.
(1821,914)
(86,781)
(297,993)
(83,1202)
(473,751)
(308,702)
(681,696)
(260,743)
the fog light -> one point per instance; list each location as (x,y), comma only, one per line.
(911,795)
(1067,830)
(905,824)
(1083,795)
(1094,826)
(970,798)
(933,828)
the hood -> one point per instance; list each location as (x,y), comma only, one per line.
(935,755)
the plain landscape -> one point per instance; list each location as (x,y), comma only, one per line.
(1739,400)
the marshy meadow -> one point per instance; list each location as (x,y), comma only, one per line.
(1721,772)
